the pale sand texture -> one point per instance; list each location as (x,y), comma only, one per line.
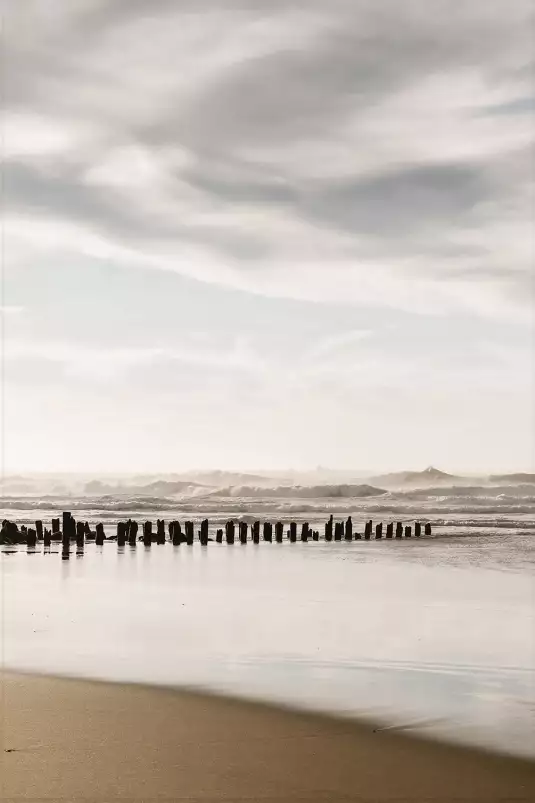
(74,740)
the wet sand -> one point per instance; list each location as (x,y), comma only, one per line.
(76,740)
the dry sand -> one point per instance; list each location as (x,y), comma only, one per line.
(74,740)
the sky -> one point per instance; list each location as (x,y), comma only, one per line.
(247,234)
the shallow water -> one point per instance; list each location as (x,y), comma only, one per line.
(436,634)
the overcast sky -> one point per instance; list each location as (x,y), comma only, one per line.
(268,233)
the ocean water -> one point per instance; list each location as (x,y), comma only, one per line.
(433,634)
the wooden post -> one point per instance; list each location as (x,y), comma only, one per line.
(242,532)
(160,531)
(389,530)
(255,530)
(368,530)
(204,532)
(121,533)
(31,537)
(279,532)
(378,531)
(190,532)
(219,536)
(408,531)
(305,531)
(349,529)
(268,531)
(428,529)
(230,531)
(399,530)
(132,533)
(329,529)
(66,530)
(315,535)
(39,530)
(147,533)
(417,529)
(55,526)
(80,534)
(293,532)
(99,539)
(47,538)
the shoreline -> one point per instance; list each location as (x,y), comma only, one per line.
(76,738)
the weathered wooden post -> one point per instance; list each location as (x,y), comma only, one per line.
(176,533)
(242,532)
(408,531)
(279,532)
(255,531)
(368,530)
(417,529)
(80,535)
(389,530)
(304,531)
(349,529)
(229,532)
(66,530)
(337,535)
(428,528)
(329,529)
(204,532)
(121,533)
(315,535)
(39,530)
(399,530)
(268,531)
(147,533)
(293,532)
(132,533)
(47,540)
(160,532)
(99,537)
(31,537)
(378,531)
(190,532)
(87,529)
(55,526)
(219,536)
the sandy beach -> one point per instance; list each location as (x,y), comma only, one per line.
(78,740)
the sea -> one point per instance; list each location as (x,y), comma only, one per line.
(434,635)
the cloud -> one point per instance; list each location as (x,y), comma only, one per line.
(358,152)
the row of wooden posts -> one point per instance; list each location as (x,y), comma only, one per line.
(127,532)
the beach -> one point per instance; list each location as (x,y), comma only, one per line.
(89,741)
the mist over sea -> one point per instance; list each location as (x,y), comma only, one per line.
(435,634)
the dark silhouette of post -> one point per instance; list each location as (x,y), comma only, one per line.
(66,530)
(31,537)
(175,532)
(349,529)
(279,532)
(242,531)
(389,530)
(99,534)
(417,529)
(428,529)
(368,530)
(190,532)
(230,531)
(121,533)
(47,540)
(80,535)
(408,531)
(378,531)
(55,526)
(219,536)
(204,532)
(399,530)
(315,535)
(305,531)
(329,529)
(293,532)
(268,531)
(255,532)
(39,530)
(147,533)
